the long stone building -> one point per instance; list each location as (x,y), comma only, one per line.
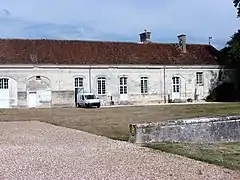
(45,73)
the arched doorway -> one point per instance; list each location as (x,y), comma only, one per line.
(39,92)
(8,92)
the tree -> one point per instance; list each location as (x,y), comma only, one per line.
(229,91)
(237,5)
(231,58)
(232,50)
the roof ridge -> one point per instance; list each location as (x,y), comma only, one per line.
(94,41)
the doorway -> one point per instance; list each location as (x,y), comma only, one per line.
(175,88)
(4,93)
(32,99)
(123,89)
(78,87)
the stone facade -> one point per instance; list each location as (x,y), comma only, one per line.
(51,85)
(46,73)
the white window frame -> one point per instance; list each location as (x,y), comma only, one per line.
(144,85)
(4,83)
(78,82)
(101,85)
(176,84)
(199,78)
(123,88)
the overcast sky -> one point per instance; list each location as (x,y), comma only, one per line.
(119,20)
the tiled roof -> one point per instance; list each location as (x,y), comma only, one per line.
(27,51)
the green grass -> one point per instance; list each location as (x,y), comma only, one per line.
(222,154)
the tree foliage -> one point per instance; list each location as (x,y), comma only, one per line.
(237,5)
(232,49)
(230,91)
(234,44)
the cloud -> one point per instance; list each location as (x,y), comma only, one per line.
(119,20)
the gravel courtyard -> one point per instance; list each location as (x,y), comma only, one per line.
(36,150)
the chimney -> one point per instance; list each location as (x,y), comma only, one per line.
(145,36)
(182,42)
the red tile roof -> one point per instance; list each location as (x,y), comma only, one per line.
(20,51)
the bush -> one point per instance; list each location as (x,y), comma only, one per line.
(225,92)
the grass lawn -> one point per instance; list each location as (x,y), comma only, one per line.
(113,122)
(223,154)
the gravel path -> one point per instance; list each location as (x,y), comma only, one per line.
(34,150)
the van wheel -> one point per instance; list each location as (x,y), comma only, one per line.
(98,106)
(78,105)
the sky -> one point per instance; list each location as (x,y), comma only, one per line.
(119,20)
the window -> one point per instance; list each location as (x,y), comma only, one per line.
(78,82)
(90,97)
(123,85)
(101,85)
(176,84)
(38,77)
(144,85)
(199,76)
(4,83)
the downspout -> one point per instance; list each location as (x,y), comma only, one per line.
(185,90)
(90,78)
(164,84)
(59,75)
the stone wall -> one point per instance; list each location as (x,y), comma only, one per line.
(199,130)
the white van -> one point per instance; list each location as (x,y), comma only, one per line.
(87,100)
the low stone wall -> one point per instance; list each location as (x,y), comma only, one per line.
(199,130)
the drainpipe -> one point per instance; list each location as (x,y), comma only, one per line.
(59,77)
(185,90)
(90,78)
(164,83)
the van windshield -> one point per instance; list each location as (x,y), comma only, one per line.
(90,97)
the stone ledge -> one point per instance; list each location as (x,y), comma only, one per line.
(189,121)
(205,129)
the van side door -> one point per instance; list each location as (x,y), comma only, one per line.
(82,100)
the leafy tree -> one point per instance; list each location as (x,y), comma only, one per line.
(232,49)
(237,5)
(231,58)
(229,91)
